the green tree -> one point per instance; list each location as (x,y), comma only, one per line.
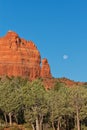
(59,105)
(78,97)
(10,100)
(35,103)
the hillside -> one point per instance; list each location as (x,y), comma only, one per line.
(19,57)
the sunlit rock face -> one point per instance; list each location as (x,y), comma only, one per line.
(19,57)
(45,69)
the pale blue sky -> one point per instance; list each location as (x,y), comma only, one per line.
(57,27)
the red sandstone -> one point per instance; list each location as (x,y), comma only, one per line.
(19,57)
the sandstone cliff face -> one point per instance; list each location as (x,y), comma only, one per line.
(19,57)
(45,69)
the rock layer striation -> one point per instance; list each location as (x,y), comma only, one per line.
(19,57)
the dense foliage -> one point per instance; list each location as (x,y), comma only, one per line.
(60,108)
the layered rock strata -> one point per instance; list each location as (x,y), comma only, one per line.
(19,57)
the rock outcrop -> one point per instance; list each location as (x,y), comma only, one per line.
(19,57)
(45,69)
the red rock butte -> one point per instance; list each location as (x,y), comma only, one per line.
(19,57)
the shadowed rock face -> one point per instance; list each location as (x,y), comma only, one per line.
(19,57)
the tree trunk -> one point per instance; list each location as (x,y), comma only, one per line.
(5,118)
(37,124)
(10,119)
(78,120)
(41,121)
(67,122)
(53,125)
(16,119)
(33,127)
(58,128)
(75,121)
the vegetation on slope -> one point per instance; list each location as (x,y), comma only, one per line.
(30,104)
